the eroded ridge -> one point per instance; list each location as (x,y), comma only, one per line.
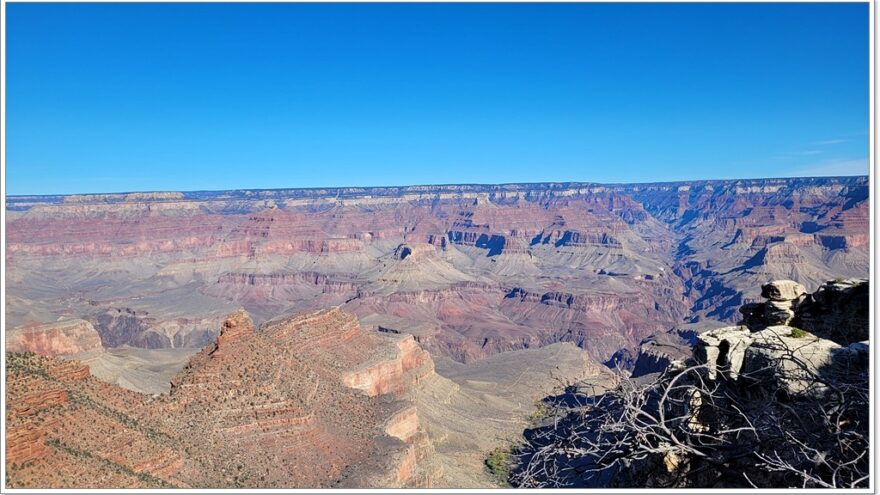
(280,400)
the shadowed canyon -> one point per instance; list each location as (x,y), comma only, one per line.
(386,336)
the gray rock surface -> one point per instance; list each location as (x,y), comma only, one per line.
(782,290)
(793,363)
(723,348)
(778,312)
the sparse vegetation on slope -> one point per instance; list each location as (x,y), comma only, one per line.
(499,463)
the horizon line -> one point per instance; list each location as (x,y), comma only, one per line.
(404,186)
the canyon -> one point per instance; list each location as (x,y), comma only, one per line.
(468,270)
(385,336)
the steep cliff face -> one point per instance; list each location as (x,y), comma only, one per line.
(393,374)
(61,338)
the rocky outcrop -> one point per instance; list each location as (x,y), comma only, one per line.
(659,352)
(404,424)
(767,348)
(723,348)
(793,361)
(838,311)
(783,290)
(783,296)
(776,353)
(752,407)
(236,326)
(60,338)
(404,251)
(623,359)
(394,374)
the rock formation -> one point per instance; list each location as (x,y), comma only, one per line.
(783,296)
(660,352)
(838,311)
(752,406)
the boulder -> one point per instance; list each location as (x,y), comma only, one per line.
(782,290)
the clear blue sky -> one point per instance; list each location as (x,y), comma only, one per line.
(130,97)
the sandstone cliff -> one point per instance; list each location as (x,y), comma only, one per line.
(66,337)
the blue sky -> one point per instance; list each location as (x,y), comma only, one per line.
(131,97)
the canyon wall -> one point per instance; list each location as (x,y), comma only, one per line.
(468,270)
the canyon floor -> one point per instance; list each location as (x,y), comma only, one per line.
(413,324)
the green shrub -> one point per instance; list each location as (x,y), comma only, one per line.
(499,463)
(798,333)
(541,411)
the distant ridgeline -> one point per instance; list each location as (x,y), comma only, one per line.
(494,192)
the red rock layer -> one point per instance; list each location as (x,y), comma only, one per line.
(278,400)
(54,339)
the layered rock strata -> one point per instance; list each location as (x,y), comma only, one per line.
(62,338)
(520,265)
(281,400)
